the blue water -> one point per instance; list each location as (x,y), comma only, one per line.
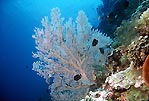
(17,21)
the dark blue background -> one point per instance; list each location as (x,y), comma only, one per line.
(17,80)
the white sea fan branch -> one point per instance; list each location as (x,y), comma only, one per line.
(66,53)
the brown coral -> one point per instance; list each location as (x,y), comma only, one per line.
(146,71)
(138,50)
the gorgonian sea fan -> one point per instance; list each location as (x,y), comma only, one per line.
(67,52)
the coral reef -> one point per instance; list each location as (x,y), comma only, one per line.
(126,85)
(128,65)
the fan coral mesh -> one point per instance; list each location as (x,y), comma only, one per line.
(67,54)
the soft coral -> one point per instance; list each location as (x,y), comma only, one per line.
(146,71)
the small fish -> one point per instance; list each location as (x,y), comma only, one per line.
(101,50)
(77,77)
(26,66)
(118,7)
(99,17)
(95,42)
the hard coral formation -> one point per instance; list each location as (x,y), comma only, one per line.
(119,87)
(138,50)
(124,79)
(99,95)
